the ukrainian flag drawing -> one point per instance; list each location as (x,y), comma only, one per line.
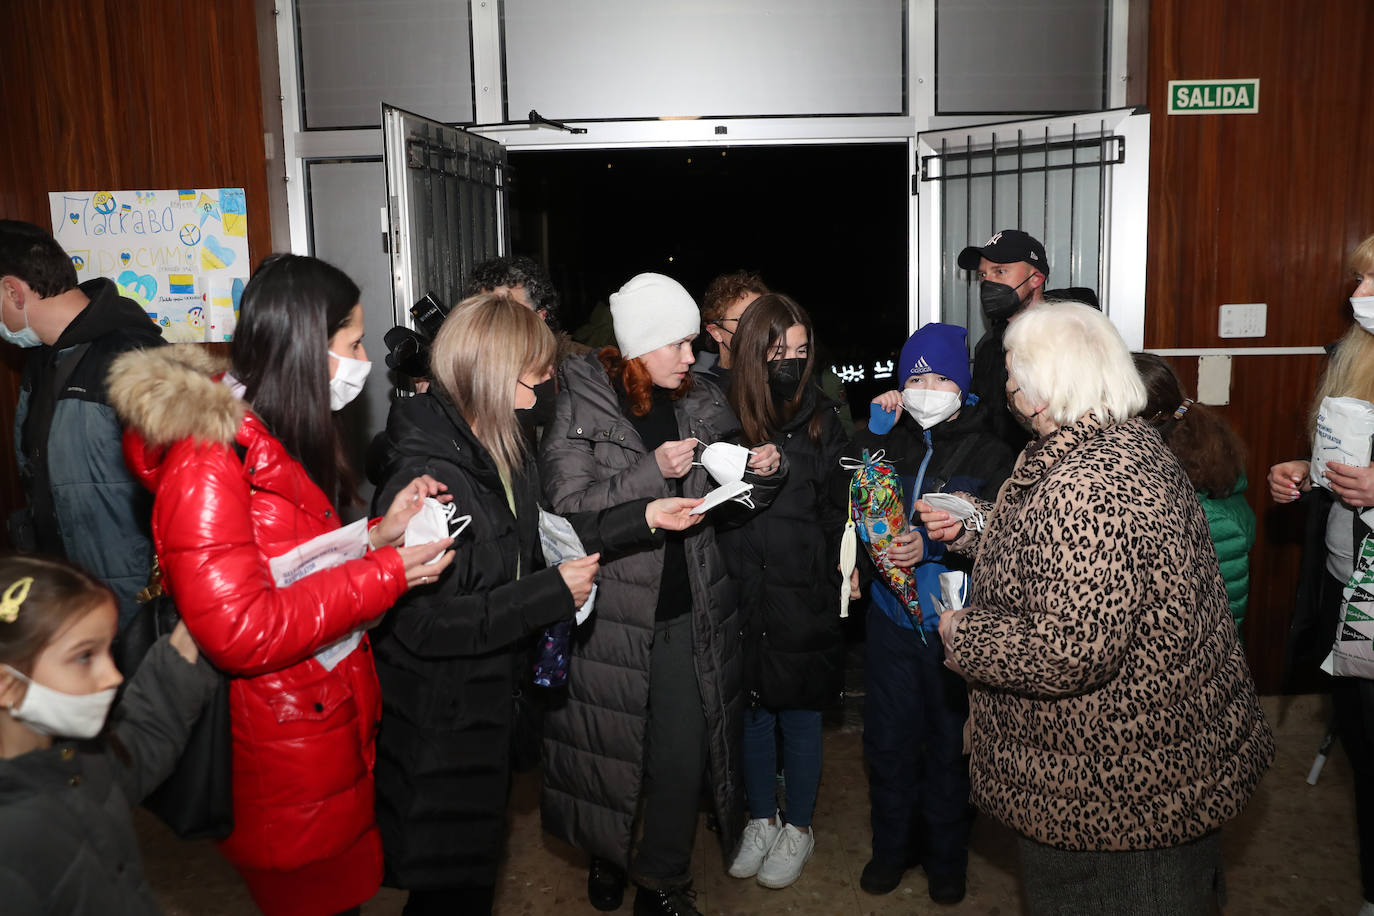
(186,194)
(181,284)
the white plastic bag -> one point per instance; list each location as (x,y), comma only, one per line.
(1345,429)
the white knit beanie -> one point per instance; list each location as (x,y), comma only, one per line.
(652,310)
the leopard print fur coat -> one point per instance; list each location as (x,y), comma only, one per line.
(1112,706)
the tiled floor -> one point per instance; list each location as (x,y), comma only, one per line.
(1292,852)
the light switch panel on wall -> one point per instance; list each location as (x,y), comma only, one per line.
(1245,320)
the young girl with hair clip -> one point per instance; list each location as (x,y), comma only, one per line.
(66,780)
(1213,457)
(245,465)
(654,705)
(447,655)
(1336,529)
(793,645)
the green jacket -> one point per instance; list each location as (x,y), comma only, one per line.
(1232,524)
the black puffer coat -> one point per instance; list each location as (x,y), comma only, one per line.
(446,653)
(783,561)
(591,457)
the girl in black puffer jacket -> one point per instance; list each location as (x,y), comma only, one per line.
(782,560)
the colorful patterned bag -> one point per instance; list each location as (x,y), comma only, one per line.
(878,514)
(1352,653)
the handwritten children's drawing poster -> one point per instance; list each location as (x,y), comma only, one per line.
(181,254)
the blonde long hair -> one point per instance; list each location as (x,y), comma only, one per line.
(1350,373)
(485,344)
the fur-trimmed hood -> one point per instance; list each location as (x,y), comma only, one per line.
(173,393)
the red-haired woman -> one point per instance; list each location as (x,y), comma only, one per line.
(654,702)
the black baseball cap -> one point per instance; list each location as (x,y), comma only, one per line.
(1007,247)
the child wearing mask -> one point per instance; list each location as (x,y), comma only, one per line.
(66,782)
(933,434)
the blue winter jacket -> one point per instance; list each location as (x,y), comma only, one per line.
(964,458)
(83,504)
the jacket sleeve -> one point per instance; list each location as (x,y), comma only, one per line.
(221,582)
(1078,628)
(833,509)
(443,621)
(615,531)
(155,715)
(101,509)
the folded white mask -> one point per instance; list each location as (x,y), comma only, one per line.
(725,461)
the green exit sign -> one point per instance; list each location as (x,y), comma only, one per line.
(1213,96)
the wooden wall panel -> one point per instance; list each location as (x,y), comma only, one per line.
(1261,208)
(125,94)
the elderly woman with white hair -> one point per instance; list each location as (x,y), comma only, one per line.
(1114,719)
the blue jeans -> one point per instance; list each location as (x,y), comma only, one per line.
(918,783)
(801,761)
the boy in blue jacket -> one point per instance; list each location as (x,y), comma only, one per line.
(931,431)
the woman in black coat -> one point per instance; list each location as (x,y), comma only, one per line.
(781,560)
(446,654)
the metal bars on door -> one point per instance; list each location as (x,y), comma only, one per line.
(445,206)
(1076,183)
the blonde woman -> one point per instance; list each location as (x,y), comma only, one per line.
(446,654)
(1335,531)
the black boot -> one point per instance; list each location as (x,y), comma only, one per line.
(605,885)
(680,901)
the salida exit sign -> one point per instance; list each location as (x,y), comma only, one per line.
(1213,96)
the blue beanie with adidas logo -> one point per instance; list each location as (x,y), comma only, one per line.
(938,348)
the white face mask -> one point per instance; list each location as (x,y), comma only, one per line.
(348,380)
(63,715)
(725,461)
(929,406)
(1364,311)
(26,338)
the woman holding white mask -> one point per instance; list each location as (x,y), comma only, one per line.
(1335,531)
(245,463)
(933,434)
(654,704)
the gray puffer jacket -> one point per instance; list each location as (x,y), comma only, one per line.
(593,458)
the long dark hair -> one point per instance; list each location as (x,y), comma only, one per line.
(761,329)
(1211,453)
(291,306)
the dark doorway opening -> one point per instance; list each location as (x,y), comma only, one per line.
(826,224)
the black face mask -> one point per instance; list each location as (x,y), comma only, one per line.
(784,376)
(999,300)
(541,414)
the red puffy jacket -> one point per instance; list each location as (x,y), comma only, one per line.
(303,736)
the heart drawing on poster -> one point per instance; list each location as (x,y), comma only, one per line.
(215,255)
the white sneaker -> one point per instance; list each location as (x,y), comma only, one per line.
(758,838)
(784,861)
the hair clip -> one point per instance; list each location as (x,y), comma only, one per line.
(1183,409)
(13,597)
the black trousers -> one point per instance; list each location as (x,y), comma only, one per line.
(918,781)
(674,762)
(1352,701)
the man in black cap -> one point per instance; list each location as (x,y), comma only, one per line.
(1012,270)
